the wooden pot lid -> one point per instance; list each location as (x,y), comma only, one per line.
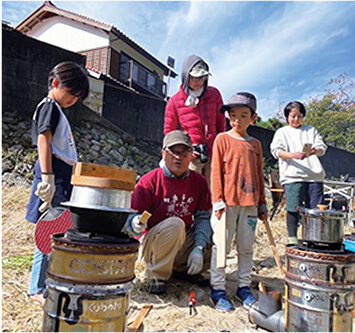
(102,176)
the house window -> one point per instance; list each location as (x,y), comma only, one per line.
(139,77)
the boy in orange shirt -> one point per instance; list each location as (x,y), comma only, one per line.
(237,186)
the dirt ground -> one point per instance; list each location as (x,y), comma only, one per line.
(169,313)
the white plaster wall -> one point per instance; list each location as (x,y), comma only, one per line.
(95,99)
(70,35)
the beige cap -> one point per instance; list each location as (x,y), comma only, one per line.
(177,138)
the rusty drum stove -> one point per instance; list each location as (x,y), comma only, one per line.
(320,276)
(92,266)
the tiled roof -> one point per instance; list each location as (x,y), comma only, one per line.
(48,9)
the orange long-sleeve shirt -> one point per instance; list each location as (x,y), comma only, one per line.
(237,176)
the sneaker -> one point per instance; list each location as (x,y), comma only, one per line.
(245,296)
(219,299)
(292,240)
(157,287)
(197,279)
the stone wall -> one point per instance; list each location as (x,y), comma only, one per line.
(96,143)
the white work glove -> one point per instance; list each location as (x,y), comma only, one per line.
(195,261)
(45,191)
(138,227)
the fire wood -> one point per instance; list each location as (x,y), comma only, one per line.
(221,242)
(262,286)
(276,253)
(145,217)
(134,327)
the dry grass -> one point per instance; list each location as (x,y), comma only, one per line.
(169,313)
(18,313)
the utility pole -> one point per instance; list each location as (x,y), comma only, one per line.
(171,64)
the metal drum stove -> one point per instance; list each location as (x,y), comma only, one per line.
(92,266)
(320,276)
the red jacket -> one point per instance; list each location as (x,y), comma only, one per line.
(192,120)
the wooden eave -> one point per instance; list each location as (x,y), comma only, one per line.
(48,10)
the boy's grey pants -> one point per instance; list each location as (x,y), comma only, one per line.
(242,222)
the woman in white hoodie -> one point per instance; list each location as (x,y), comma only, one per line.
(297,148)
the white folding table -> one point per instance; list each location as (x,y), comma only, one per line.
(345,190)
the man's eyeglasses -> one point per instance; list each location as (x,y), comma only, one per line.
(178,153)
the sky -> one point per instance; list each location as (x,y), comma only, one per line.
(278,50)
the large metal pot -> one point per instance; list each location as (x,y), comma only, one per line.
(325,226)
(100,197)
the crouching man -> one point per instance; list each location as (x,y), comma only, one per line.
(176,240)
